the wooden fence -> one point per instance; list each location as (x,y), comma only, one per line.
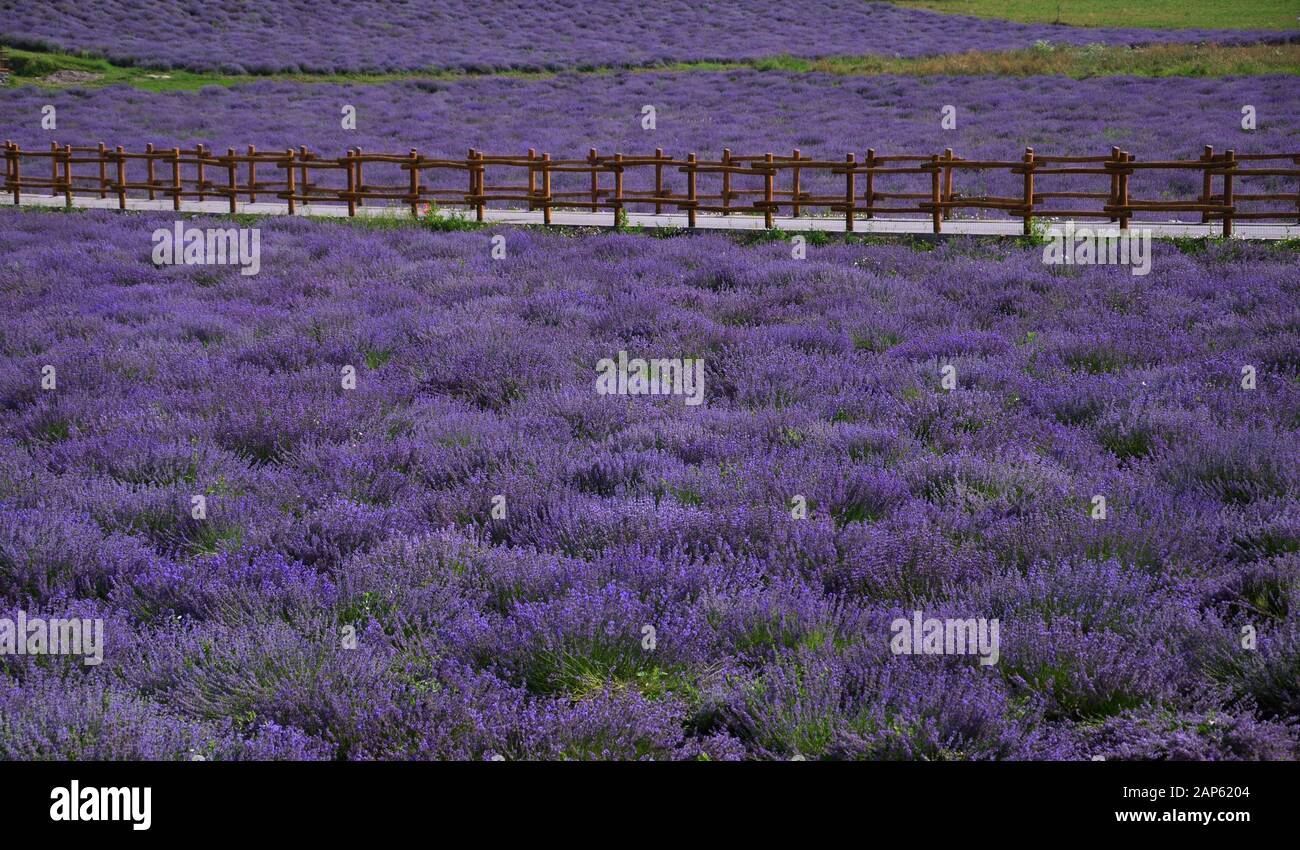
(765,184)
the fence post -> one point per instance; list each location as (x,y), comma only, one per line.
(415,181)
(726,181)
(690,190)
(947,182)
(659,180)
(176,179)
(291,188)
(67,176)
(1295,160)
(849,191)
(12,149)
(595,181)
(475,183)
(304,187)
(935,190)
(769,184)
(149,169)
(103,172)
(618,187)
(54,169)
(121,178)
(795,187)
(1029,191)
(349,166)
(532,179)
(252,174)
(201,153)
(1121,192)
(1207,181)
(231,165)
(546,188)
(1231,162)
(871,181)
(1114,181)
(361,180)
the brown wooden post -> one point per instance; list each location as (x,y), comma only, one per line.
(1231,161)
(290,185)
(202,154)
(103,171)
(1295,160)
(1029,191)
(361,182)
(726,181)
(1124,215)
(1114,181)
(690,190)
(176,179)
(935,192)
(231,165)
(480,183)
(54,169)
(67,176)
(532,179)
(252,174)
(149,169)
(350,165)
(14,151)
(947,182)
(546,188)
(415,181)
(871,181)
(1207,181)
(795,187)
(121,178)
(595,180)
(305,188)
(849,192)
(618,187)
(659,180)
(769,185)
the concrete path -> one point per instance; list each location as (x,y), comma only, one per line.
(971,227)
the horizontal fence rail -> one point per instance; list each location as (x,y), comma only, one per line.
(929,185)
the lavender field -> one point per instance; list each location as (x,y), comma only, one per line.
(747,110)
(522,635)
(266,36)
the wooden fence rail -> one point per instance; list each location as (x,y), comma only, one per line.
(766,184)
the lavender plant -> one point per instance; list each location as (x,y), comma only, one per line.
(644,590)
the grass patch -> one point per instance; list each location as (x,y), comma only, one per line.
(1151,14)
(1174,60)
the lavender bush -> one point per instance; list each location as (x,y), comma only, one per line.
(522,635)
(749,111)
(332,37)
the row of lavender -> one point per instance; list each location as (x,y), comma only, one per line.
(267,36)
(501,536)
(749,111)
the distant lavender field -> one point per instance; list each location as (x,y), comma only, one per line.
(264,36)
(750,111)
(524,636)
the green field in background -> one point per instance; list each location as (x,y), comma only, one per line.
(1152,14)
